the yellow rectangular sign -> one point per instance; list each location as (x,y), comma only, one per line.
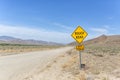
(80,47)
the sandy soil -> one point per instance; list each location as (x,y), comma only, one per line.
(97,67)
(33,66)
(60,64)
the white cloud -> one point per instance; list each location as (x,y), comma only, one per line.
(100,30)
(109,27)
(63,26)
(38,34)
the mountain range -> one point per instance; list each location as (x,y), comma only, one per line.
(13,40)
(103,39)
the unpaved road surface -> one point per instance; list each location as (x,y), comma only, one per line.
(17,67)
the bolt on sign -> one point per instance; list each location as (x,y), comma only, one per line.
(80,47)
(79,34)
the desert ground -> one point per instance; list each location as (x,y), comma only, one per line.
(101,58)
(60,64)
(24,66)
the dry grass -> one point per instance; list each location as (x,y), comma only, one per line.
(81,76)
(104,49)
(8,49)
(98,59)
(70,62)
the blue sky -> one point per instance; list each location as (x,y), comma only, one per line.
(55,20)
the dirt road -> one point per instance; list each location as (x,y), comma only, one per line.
(15,67)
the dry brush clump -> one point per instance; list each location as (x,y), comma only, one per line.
(70,62)
(81,76)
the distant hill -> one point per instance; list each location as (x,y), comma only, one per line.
(7,38)
(103,39)
(12,40)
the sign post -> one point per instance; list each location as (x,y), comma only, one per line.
(79,35)
(80,60)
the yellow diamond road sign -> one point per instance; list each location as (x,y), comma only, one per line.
(79,34)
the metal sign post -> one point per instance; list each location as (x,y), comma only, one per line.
(80,60)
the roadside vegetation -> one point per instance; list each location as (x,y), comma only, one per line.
(102,62)
(7,49)
(102,50)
